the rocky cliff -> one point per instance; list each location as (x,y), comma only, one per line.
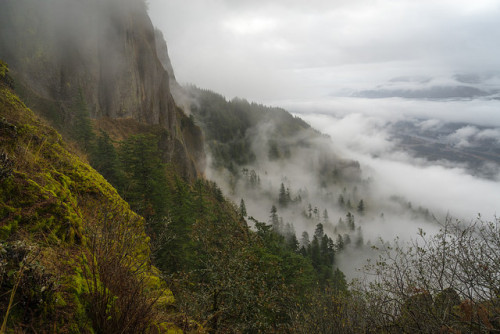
(102,52)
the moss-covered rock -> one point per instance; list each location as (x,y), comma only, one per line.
(55,211)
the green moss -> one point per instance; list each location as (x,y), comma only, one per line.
(50,198)
(3,69)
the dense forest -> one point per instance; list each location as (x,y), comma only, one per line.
(109,222)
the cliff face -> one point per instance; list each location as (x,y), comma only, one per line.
(102,52)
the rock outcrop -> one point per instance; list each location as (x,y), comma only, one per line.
(102,52)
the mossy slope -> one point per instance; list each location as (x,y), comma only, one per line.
(55,212)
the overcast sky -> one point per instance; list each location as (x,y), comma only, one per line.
(295,49)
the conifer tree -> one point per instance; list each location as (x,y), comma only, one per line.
(199,200)
(316,213)
(315,253)
(145,174)
(350,221)
(304,241)
(82,125)
(243,209)
(105,160)
(340,242)
(359,238)
(341,201)
(361,207)
(325,217)
(347,239)
(275,222)
(319,232)
(282,198)
(293,242)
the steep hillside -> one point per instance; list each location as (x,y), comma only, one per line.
(98,59)
(73,256)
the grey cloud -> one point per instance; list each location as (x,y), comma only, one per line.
(403,38)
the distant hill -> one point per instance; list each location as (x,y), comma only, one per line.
(435,92)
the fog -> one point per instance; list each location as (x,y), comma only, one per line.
(360,130)
(408,89)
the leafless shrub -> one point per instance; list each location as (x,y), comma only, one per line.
(449,282)
(116,269)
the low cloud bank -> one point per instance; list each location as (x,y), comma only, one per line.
(360,128)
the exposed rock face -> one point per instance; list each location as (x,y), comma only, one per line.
(101,51)
(162,52)
(180,95)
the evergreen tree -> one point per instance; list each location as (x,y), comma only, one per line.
(350,221)
(339,282)
(341,201)
(254,179)
(199,198)
(326,259)
(105,160)
(340,243)
(361,207)
(291,238)
(315,253)
(316,213)
(319,232)
(359,238)
(304,240)
(288,230)
(293,243)
(145,175)
(275,222)
(282,198)
(331,250)
(82,130)
(325,217)
(243,209)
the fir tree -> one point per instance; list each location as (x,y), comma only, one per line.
(340,243)
(105,160)
(82,126)
(315,253)
(319,232)
(243,209)
(282,198)
(359,238)
(325,217)
(361,207)
(145,175)
(316,213)
(275,222)
(341,201)
(350,221)
(304,241)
